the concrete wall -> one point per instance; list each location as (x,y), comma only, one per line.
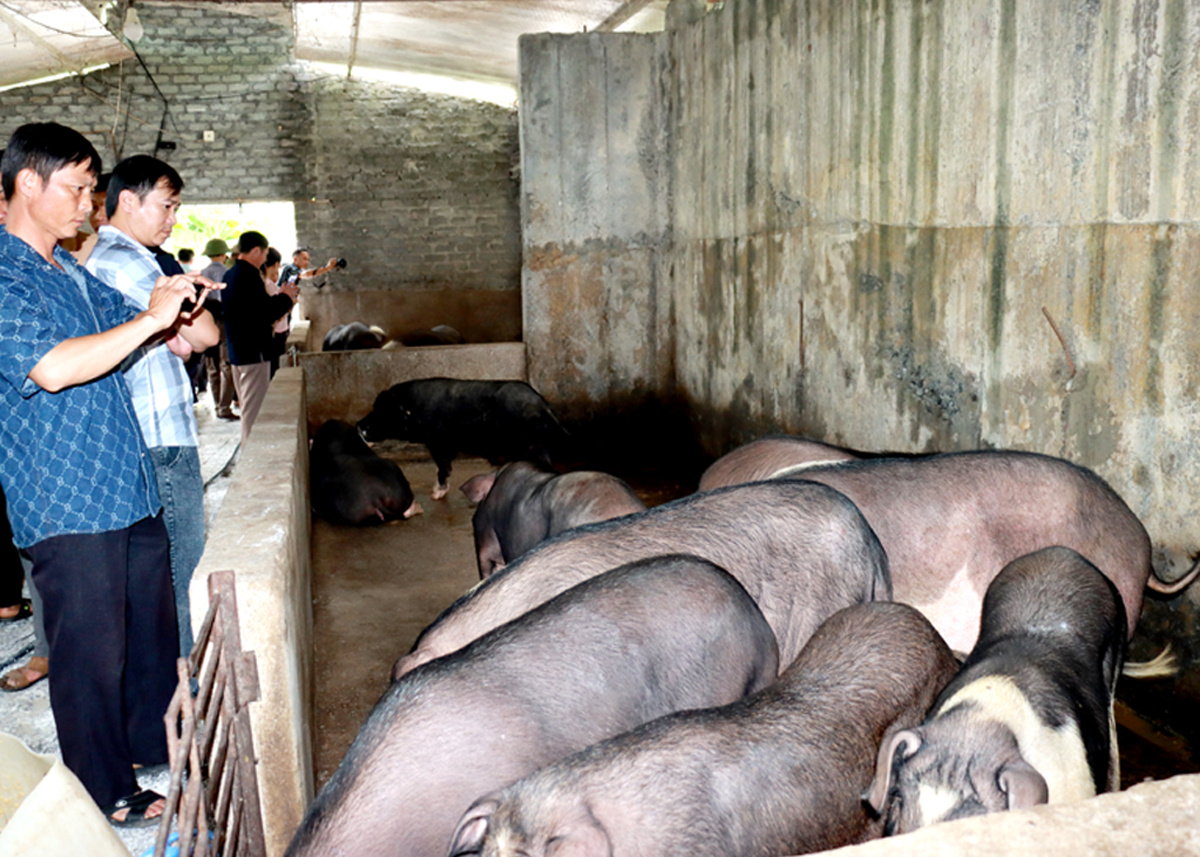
(595,212)
(878,213)
(417,192)
(262,534)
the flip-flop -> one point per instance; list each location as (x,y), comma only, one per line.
(16,679)
(137,803)
(24,611)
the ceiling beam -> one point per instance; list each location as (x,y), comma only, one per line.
(623,13)
(354,39)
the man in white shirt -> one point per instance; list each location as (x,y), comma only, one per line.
(143,196)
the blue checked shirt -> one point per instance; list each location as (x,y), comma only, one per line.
(72,461)
(158,381)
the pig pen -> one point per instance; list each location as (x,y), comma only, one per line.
(326,609)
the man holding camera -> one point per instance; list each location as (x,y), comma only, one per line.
(298,269)
(249,315)
(81,490)
(143,196)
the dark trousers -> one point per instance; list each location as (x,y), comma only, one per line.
(12,575)
(110,622)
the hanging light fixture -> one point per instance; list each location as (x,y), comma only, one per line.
(133,25)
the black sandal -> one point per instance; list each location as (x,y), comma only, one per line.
(137,804)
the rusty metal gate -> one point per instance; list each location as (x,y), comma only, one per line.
(217,810)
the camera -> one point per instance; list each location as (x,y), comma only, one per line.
(340,263)
(188,304)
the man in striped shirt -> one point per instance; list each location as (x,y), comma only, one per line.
(143,196)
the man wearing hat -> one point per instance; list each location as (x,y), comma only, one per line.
(216,359)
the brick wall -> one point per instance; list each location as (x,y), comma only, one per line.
(417,191)
(413,188)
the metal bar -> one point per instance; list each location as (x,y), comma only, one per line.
(354,39)
(622,14)
(209,737)
(211,720)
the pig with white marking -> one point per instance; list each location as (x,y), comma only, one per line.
(1029,718)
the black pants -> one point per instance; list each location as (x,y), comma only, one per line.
(12,576)
(110,622)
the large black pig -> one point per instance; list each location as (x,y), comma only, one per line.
(950,522)
(1029,718)
(769,458)
(521,505)
(500,420)
(350,484)
(353,336)
(780,772)
(618,650)
(802,550)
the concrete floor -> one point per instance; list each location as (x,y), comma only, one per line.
(374,590)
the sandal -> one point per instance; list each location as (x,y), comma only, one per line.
(18,679)
(24,611)
(137,804)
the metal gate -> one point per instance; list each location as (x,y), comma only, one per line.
(217,811)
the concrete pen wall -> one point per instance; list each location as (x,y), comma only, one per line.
(262,534)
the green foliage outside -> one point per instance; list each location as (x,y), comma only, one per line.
(197,224)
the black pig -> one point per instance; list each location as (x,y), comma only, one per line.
(350,484)
(500,420)
(1029,718)
(521,505)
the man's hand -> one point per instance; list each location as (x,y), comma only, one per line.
(207,287)
(167,297)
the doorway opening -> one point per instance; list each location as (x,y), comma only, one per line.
(199,223)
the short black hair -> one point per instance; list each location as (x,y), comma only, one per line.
(140,174)
(252,241)
(186,254)
(45,148)
(300,250)
(273,256)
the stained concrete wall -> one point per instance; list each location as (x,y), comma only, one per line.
(594,204)
(262,535)
(881,215)
(480,315)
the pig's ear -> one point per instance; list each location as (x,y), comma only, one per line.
(905,742)
(1023,785)
(579,834)
(468,837)
(478,487)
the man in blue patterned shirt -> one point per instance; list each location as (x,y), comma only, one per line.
(143,196)
(80,484)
